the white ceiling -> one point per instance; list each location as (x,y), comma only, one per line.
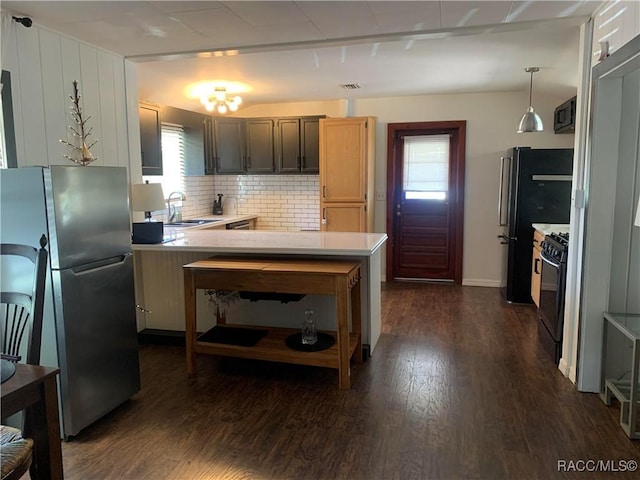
(304,50)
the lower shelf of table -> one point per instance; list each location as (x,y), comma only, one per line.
(272,347)
(621,389)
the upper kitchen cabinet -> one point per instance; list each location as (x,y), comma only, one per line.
(259,145)
(347,155)
(345,159)
(150,143)
(297,144)
(228,148)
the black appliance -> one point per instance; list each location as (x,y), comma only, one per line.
(535,187)
(217,205)
(552,292)
(564,117)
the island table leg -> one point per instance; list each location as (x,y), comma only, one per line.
(356,319)
(190,321)
(342,319)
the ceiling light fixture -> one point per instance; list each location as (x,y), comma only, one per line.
(530,121)
(219,102)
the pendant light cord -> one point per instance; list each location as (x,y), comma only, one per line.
(531,89)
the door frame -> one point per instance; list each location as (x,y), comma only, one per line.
(456,196)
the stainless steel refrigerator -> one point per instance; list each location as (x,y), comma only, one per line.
(89,327)
(535,187)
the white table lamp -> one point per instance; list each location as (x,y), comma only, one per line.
(147,197)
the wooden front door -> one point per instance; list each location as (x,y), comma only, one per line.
(425,200)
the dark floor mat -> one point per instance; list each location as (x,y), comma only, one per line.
(245,337)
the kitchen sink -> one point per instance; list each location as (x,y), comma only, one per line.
(190,223)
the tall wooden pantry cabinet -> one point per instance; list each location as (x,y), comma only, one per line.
(347,166)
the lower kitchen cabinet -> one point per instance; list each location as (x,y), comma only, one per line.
(348,217)
(536,267)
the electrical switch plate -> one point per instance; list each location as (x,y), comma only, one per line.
(381,196)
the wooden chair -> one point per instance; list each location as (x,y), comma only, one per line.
(22,316)
(22,312)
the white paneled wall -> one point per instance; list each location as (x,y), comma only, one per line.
(43,65)
(616,22)
(282,202)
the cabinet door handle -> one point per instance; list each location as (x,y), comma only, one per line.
(324,191)
(298,159)
(535,267)
(304,161)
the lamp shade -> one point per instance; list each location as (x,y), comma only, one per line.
(530,122)
(147,197)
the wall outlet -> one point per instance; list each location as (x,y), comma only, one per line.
(381,196)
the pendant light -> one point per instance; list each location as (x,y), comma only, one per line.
(530,121)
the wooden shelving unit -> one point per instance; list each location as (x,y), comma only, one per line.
(272,347)
(340,278)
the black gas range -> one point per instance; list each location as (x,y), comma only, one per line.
(555,249)
(555,246)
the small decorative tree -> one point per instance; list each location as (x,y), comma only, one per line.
(80,150)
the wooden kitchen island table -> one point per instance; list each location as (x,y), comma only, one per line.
(282,276)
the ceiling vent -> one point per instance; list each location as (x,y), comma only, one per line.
(350,86)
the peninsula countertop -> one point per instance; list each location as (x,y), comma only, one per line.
(268,242)
(548,228)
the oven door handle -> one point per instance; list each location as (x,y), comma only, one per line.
(548,260)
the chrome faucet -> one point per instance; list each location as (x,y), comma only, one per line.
(172,215)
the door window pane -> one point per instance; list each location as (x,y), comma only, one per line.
(426,167)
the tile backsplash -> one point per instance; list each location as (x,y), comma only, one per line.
(282,202)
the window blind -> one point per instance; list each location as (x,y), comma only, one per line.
(426,166)
(172,139)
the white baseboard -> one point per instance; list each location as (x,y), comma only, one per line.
(563,366)
(479,282)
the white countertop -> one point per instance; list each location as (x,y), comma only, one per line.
(548,228)
(268,242)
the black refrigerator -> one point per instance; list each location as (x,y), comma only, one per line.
(535,187)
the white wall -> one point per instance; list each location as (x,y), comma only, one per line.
(43,65)
(491,119)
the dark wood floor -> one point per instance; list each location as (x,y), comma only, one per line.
(457,388)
